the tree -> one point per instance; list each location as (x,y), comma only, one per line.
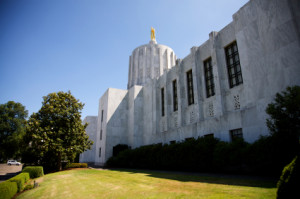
(284,124)
(12,129)
(285,114)
(56,132)
(288,184)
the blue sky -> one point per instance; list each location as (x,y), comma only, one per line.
(84,45)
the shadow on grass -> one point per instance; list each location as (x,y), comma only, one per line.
(224,179)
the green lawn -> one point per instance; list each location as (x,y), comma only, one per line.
(91,183)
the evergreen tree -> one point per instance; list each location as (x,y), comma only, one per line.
(56,133)
(284,124)
(12,129)
(285,114)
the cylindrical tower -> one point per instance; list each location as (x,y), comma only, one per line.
(148,62)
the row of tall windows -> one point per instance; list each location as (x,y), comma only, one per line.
(234,77)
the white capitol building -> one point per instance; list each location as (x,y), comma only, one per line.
(220,89)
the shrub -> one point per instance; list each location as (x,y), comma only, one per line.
(20,180)
(119,148)
(8,189)
(289,182)
(77,165)
(193,154)
(29,186)
(26,176)
(230,156)
(34,171)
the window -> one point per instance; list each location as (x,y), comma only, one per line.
(189,139)
(236,134)
(175,98)
(101,134)
(173,142)
(162,102)
(210,135)
(99,152)
(209,78)
(190,91)
(233,65)
(102,116)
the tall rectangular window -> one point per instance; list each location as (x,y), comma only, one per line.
(210,135)
(209,78)
(102,116)
(99,152)
(175,98)
(190,90)
(233,65)
(162,102)
(101,134)
(236,134)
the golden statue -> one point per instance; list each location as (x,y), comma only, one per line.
(152,34)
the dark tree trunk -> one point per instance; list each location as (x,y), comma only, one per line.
(59,162)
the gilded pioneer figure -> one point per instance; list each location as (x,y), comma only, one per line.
(152,34)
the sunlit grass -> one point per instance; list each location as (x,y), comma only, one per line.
(92,183)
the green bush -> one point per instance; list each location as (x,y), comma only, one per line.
(289,182)
(230,156)
(77,165)
(119,148)
(26,176)
(8,189)
(29,186)
(34,171)
(193,154)
(20,180)
(206,154)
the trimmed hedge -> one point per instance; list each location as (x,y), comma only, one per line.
(20,180)
(34,171)
(8,189)
(266,156)
(26,176)
(77,165)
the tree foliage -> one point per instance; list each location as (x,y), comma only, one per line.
(12,129)
(288,185)
(284,124)
(285,114)
(56,132)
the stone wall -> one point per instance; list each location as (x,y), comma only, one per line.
(267,36)
(91,130)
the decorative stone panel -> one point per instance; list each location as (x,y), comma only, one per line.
(192,117)
(163,125)
(176,121)
(236,99)
(211,109)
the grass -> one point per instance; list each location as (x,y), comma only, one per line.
(91,183)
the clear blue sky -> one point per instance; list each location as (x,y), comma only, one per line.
(84,45)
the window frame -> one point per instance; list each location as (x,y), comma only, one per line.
(209,135)
(236,134)
(162,93)
(234,69)
(175,95)
(209,77)
(190,87)
(102,115)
